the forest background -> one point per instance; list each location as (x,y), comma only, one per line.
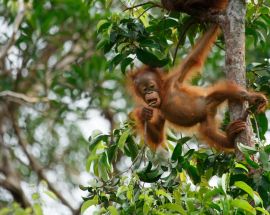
(62,66)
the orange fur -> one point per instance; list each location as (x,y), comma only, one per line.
(165,98)
(194,6)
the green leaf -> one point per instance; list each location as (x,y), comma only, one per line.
(252,32)
(189,154)
(102,25)
(5,211)
(130,193)
(177,151)
(261,36)
(215,206)
(108,3)
(226,207)
(146,208)
(161,192)
(174,207)
(251,162)
(150,59)
(104,166)
(224,182)
(263,124)
(35,196)
(83,187)
(150,175)
(262,24)
(148,167)
(89,203)
(254,195)
(116,60)
(183,140)
(247,149)
(265,10)
(51,194)
(122,140)
(107,47)
(264,158)
(266,18)
(193,173)
(132,148)
(169,23)
(113,36)
(96,140)
(150,43)
(241,166)
(212,193)
(89,161)
(112,152)
(262,210)
(101,44)
(113,210)
(125,63)
(37,209)
(267,149)
(121,190)
(96,172)
(244,205)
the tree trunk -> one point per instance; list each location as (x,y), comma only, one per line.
(233,26)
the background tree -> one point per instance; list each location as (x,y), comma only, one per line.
(59,61)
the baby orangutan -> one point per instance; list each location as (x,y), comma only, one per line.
(167,98)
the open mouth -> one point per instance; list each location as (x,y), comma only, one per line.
(152,102)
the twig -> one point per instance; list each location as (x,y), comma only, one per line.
(181,37)
(36,165)
(146,11)
(142,4)
(17,23)
(12,181)
(21,98)
(129,168)
(16,192)
(257,127)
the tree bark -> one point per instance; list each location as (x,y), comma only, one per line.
(233,26)
(12,181)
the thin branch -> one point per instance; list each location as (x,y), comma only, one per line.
(21,98)
(17,23)
(146,11)
(16,192)
(142,4)
(12,180)
(141,153)
(182,36)
(257,128)
(36,166)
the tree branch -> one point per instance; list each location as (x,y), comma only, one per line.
(181,37)
(16,192)
(233,26)
(153,4)
(34,163)
(12,181)
(17,23)
(21,98)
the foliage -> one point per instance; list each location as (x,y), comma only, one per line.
(149,38)
(15,209)
(179,184)
(51,77)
